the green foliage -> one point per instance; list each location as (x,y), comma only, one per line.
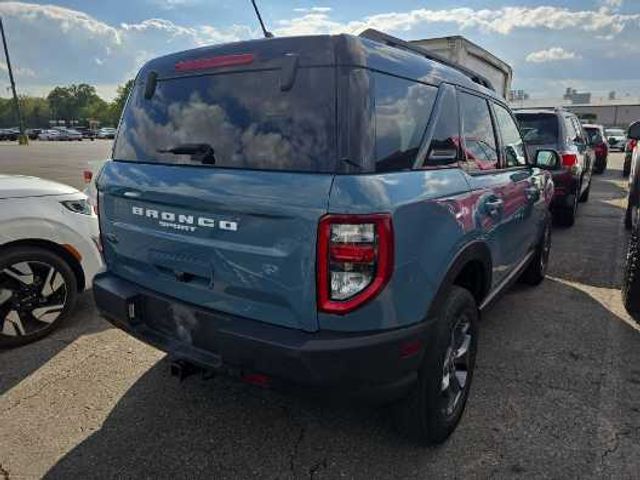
(78,103)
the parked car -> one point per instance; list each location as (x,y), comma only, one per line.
(561,130)
(33,133)
(617,138)
(51,135)
(281,241)
(107,133)
(72,134)
(9,134)
(47,255)
(631,285)
(87,133)
(628,154)
(596,138)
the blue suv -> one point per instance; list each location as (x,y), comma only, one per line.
(326,211)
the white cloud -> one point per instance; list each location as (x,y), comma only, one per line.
(503,20)
(612,3)
(313,9)
(89,50)
(552,54)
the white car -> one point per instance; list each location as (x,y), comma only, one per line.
(107,132)
(616,138)
(49,252)
(50,135)
(72,135)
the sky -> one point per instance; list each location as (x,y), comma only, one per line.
(589,45)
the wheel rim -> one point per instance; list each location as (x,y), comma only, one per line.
(455,371)
(33,295)
(546,250)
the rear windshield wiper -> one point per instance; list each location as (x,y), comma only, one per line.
(200,152)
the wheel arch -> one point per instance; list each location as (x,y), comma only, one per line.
(56,248)
(471,268)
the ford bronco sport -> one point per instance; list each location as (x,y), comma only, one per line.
(326,211)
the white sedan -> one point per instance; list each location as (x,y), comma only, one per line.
(50,135)
(49,253)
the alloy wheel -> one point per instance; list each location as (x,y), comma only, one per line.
(456,366)
(33,295)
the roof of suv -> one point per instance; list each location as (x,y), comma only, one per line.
(311,51)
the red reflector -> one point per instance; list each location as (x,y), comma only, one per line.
(214,62)
(409,349)
(569,159)
(353,253)
(87,175)
(258,379)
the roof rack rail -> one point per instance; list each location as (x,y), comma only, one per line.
(381,37)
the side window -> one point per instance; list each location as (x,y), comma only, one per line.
(444,148)
(512,144)
(402,110)
(579,130)
(570,128)
(479,138)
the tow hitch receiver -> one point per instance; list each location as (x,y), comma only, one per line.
(182,369)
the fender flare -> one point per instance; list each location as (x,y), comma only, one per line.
(475,251)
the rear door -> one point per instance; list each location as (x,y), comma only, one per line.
(216,189)
(525,198)
(498,211)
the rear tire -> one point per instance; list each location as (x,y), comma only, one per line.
(584,198)
(38,291)
(537,269)
(631,285)
(566,216)
(434,407)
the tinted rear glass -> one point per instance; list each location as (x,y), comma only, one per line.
(538,128)
(402,110)
(245,117)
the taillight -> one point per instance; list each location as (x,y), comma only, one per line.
(632,144)
(355,260)
(87,175)
(569,159)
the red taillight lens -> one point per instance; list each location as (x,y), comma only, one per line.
(355,260)
(569,160)
(87,175)
(632,144)
(214,62)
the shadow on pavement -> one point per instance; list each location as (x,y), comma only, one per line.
(539,402)
(18,363)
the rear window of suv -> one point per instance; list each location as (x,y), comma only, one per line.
(245,118)
(538,128)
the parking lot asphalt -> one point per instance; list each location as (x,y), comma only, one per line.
(556,392)
(60,161)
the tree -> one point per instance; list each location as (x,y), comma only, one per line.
(121,99)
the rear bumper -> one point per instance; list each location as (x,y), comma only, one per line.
(380,365)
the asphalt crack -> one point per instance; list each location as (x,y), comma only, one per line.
(296,447)
(321,465)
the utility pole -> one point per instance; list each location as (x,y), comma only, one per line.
(22,139)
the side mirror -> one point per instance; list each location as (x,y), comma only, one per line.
(634,131)
(547,159)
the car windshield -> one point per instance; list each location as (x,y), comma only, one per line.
(244,120)
(538,128)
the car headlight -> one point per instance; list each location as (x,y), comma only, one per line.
(81,206)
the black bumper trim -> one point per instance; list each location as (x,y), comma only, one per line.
(363,363)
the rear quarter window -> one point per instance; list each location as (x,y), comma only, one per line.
(402,110)
(245,117)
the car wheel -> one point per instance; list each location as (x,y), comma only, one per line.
(434,407)
(38,290)
(584,198)
(537,269)
(631,285)
(626,169)
(566,216)
(627,217)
